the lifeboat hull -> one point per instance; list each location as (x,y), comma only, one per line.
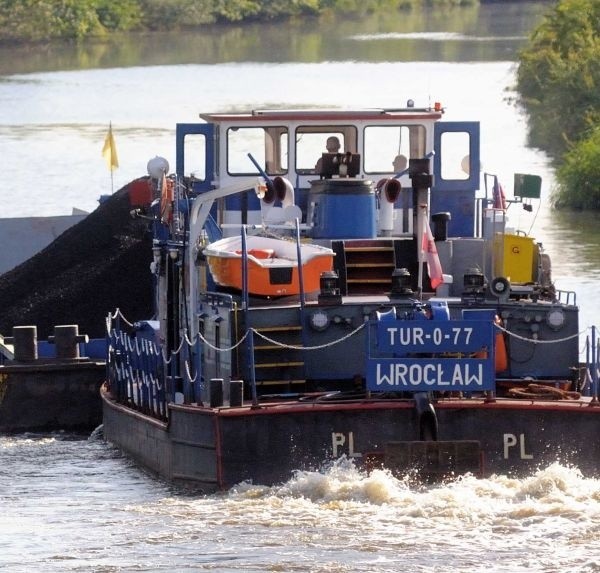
(272,265)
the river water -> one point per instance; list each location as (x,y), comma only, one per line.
(73,503)
(77,505)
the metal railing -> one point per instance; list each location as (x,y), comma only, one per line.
(140,376)
(592,362)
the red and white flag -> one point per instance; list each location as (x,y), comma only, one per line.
(434,267)
(498,195)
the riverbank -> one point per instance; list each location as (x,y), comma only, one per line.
(558,80)
(396,36)
(32,21)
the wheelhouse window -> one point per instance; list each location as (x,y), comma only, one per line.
(267,145)
(389,147)
(312,142)
(454,153)
(194,156)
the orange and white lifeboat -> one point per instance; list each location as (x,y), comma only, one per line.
(272,264)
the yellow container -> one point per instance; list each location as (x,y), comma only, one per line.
(514,257)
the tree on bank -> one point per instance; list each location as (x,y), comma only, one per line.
(37,20)
(43,20)
(559,84)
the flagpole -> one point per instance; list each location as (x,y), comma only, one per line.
(422,210)
(112,171)
(109,152)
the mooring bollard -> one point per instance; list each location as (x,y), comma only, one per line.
(216,392)
(24,341)
(236,393)
(66,339)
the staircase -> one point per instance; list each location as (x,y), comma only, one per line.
(275,363)
(365,266)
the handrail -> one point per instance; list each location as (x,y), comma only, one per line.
(246,299)
(592,360)
(140,375)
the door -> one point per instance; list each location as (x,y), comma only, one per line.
(195,154)
(456,168)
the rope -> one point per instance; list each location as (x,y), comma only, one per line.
(319,347)
(227,349)
(536,341)
(191,379)
(543,392)
(118,313)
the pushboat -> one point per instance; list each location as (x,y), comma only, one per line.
(429,338)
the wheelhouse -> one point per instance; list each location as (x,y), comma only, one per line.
(229,147)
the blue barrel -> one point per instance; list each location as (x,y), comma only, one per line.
(342,209)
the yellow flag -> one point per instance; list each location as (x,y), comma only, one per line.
(109,151)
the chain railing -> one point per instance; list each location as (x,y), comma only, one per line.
(142,377)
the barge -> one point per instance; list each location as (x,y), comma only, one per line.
(53,385)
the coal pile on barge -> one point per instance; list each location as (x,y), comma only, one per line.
(93,268)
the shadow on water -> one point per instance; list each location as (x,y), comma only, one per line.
(575,236)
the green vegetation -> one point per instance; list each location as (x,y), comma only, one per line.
(559,83)
(579,175)
(42,20)
(35,20)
